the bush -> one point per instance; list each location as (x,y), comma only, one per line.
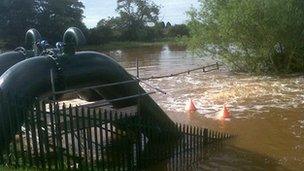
(178,31)
(251,35)
(100,35)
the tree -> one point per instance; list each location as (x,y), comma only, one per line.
(100,35)
(135,15)
(178,30)
(252,36)
(50,17)
(55,16)
(115,24)
(16,17)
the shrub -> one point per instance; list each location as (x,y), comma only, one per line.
(251,35)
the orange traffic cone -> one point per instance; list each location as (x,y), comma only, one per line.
(225,112)
(190,107)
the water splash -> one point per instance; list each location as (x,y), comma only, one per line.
(243,93)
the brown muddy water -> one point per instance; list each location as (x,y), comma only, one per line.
(268,112)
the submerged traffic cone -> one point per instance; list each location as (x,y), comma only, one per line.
(225,112)
(190,107)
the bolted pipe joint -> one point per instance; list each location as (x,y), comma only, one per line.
(72,39)
(32,39)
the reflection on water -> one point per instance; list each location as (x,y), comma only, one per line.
(222,157)
(268,112)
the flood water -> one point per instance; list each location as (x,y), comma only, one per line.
(267,112)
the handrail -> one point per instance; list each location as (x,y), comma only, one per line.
(217,65)
(136,80)
(95,87)
(120,99)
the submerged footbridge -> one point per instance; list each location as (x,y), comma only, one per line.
(38,71)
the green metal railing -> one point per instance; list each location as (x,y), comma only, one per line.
(59,137)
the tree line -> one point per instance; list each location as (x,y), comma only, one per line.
(257,36)
(138,20)
(50,17)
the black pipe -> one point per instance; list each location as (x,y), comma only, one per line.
(72,39)
(21,84)
(8,59)
(32,38)
(31,78)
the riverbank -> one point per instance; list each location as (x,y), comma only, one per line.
(123,45)
(131,45)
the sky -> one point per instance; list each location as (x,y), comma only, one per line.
(173,11)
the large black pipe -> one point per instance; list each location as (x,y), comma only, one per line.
(32,39)
(31,78)
(8,59)
(73,37)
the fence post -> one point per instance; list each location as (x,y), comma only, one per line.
(34,136)
(40,135)
(84,137)
(101,139)
(205,137)
(95,137)
(71,121)
(90,139)
(20,112)
(13,105)
(58,136)
(107,140)
(78,138)
(67,146)
(53,133)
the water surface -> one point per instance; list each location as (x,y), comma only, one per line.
(267,112)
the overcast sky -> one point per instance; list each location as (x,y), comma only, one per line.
(173,11)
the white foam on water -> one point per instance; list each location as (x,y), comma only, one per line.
(245,95)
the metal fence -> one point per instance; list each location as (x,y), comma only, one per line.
(58,137)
